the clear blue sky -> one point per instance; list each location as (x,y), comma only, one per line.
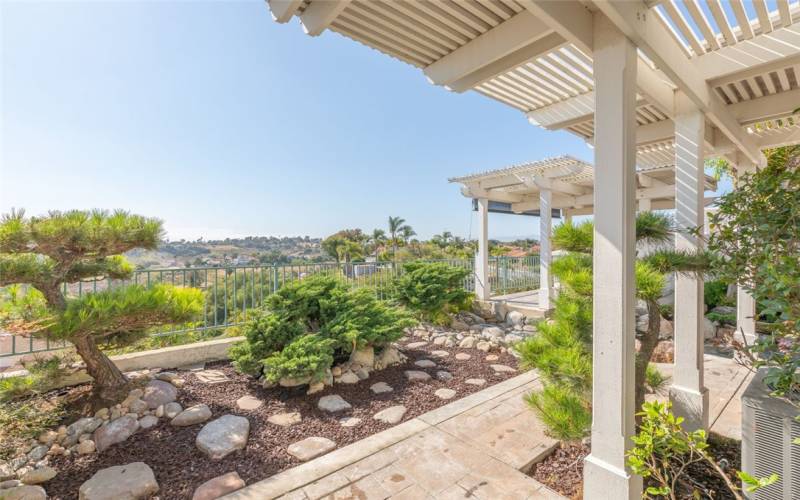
(224,123)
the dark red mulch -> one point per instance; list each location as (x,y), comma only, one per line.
(562,471)
(180,467)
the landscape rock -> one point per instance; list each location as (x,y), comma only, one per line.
(349,421)
(210,377)
(467,343)
(315,388)
(515,319)
(248,403)
(492,332)
(134,395)
(293,382)
(440,354)
(167,376)
(333,403)
(172,409)
(483,346)
(219,486)
(348,377)
(362,373)
(38,452)
(138,406)
(158,392)
(24,492)
(310,447)
(439,340)
(417,376)
(223,436)
(666,329)
(380,388)
(133,481)
(148,422)
(48,437)
(86,448)
(462,356)
(709,329)
(389,356)
(391,415)
(85,425)
(190,416)
(38,476)
(424,363)
(459,325)
(445,393)
(444,376)
(115,432)
(492,357)
(364,357)
(285,419)
(416,345)
(10,483)
(502,369)
(475,381)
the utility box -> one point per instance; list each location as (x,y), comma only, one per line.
(768,427)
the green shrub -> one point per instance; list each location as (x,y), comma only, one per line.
(564,412)
(309,323)
(715,294)
(654,379)
(41,375)
(432,290)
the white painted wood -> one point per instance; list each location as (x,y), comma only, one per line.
(722,21)
(605,475)
(645,205)
(742,19)
(320,14)
(766,108)
(649,34)
(283,10)
(688,394)
(545,251)
(745,316)
(571,20)
(744,59)
(482,288)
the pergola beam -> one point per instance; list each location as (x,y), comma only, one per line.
(652,37)
(283,10)
(494,195)
(319,15)
(766,108)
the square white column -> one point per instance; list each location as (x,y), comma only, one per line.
(482,290)
(605,475)
(545,252)
(745,316)
(688,394)
(645,205)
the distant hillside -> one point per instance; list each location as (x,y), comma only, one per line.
(230,251)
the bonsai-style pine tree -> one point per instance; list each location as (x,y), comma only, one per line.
(60,248)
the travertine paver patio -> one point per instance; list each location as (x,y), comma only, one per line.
(472,448)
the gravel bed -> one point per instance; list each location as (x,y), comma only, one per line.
(180,467)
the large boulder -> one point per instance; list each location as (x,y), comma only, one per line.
(223,436)
(115,432)
(133,481)
(515,319)
(158,393)
(364,357)
(389,356)
(709,329)
(25,492)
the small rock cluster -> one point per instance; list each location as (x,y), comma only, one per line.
(468,331)
(361,363)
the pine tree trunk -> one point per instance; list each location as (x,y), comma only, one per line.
(648,345)
(109,382)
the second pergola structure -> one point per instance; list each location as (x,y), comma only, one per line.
(650,83)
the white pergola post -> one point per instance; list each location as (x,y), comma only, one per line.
(545,253)
(566,216)
(645,205)
(482,290)
(688,394)
(745,316)
(605,475)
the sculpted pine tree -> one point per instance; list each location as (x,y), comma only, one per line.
(60,248)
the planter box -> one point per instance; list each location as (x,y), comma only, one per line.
(768,427)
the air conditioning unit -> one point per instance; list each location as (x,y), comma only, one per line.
(768,427)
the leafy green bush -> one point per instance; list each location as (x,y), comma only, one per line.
(715,294)
(563,411)
(655,380)
(41,375)
(433,290)
(309,323)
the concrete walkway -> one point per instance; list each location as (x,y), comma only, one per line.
(472,448)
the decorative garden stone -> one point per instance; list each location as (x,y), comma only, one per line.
(416,345)
(333,403)
(190,416)
(158,392)
(86,448)
(133,481)
(248,403)
(444,376)
(310,448)
(424,363)
(223,436)
(391,415)
(364,357)
(380,388)
(148,422)
(462,356)
(219,486)
(475,381)
(115,432)
(417,376)
(445,393)
(172,409)
(25,492)
(502,369)
(348,377)
(38,476)
(285,419)
(467,343)
(440,354)
(211,376)
(349,421)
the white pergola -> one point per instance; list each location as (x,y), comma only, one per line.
(648,83)
(563,183)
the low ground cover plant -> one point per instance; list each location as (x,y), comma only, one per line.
(309,324)
(433,290)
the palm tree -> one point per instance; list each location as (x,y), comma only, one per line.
(377,239)
(446,237)
(406,232)
(395,225)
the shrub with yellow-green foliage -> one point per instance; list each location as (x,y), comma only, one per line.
(432,290)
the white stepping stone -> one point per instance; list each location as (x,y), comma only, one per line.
(475,381)
(440,354)
(211,376)
(381,388)
(503,369)
(310,448)
(333,403)
(416,345)
(285,419)
(248,403)
(417,376)
(391,415)
(424,363)
(349,421)
(462,356)
(445,393)
(223,436)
